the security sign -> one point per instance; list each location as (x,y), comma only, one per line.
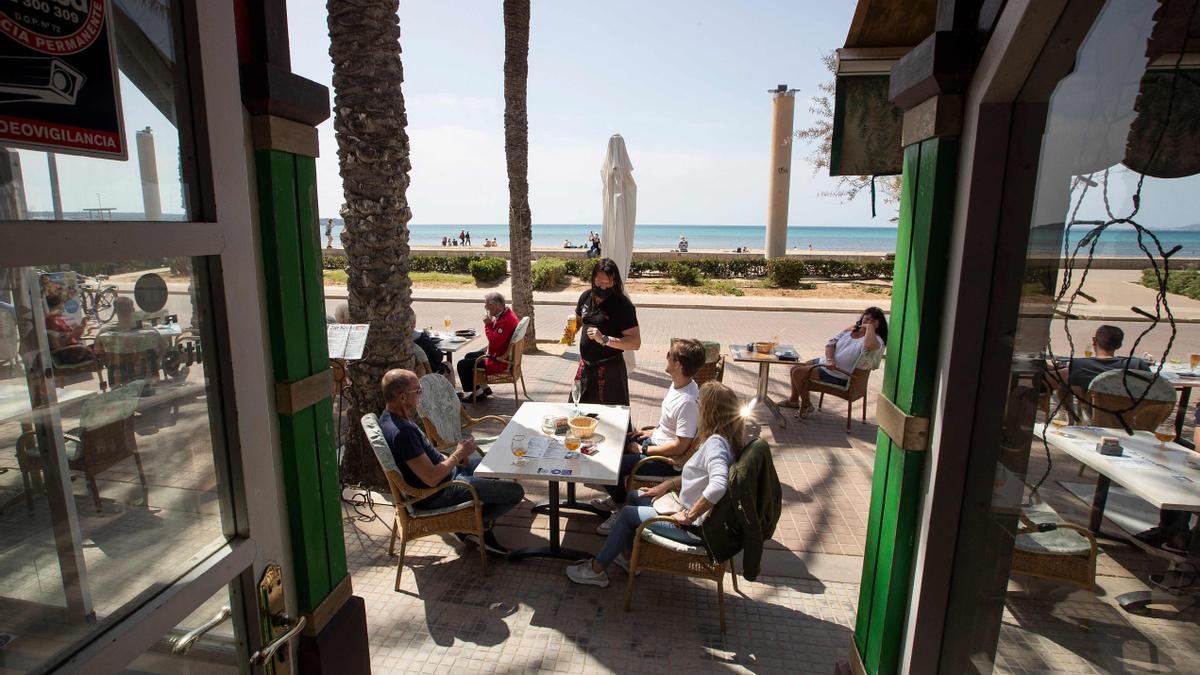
(59,89)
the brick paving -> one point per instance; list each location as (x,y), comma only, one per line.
(797,618)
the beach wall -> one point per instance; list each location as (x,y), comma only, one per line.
(1109,263)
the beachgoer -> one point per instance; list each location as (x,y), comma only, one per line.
(329,233)
(810,248)
(683,244)
(610,325)
(678,421)
(566,243)
(868,334)
(424,467)
(468,239)
(594,251)
(462,236)
(499,322)
(704,481)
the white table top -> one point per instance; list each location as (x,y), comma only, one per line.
(451,346)
(1160,476)
(14,400)
(742,354)
(600,468)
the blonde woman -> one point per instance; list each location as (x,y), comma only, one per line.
(704,481)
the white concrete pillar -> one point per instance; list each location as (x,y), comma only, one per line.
(784,103)
(148,168)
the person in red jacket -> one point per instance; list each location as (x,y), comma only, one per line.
(499,322)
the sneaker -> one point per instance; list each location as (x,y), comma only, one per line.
(491,545)
(607,526)
(605,504)
(623,562)
(582,573)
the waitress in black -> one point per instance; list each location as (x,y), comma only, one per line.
(609,327)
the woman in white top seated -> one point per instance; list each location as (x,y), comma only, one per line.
(704,481)
(841,355)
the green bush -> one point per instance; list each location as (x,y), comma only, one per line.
(547,273)
(488,269)
(686,275)
(449,264)
(334,262)
(785,272)
(580,267)
(1185,282)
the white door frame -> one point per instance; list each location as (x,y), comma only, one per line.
(257,529)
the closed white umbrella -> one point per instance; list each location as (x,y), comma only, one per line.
(620,211)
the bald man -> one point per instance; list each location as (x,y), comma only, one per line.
(424,467)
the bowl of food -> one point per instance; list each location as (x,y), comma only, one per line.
(584,427)
(763,347)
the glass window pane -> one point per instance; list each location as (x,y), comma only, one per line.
(110,435)
(154,182)
(216,652)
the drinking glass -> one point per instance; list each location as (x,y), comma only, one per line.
(1194,361)
(572,442)
(446,321)
(520,445)
(548,425)
(1087,353)
(1165,432)
(577,393)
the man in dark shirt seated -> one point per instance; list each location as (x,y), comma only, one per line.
(424,467)
(1074,378)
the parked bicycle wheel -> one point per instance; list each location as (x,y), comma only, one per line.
(105,304)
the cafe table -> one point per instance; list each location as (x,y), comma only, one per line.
(598,469)
(450,344)
(1183,379)
(744,354)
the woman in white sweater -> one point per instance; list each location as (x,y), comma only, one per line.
(703,482)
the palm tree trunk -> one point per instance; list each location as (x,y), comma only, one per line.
(516,151)
(369,123)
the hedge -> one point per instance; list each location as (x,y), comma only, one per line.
(1184,282)
(486,269)
(686,275)
(785,271)
(546,273)
(712,268)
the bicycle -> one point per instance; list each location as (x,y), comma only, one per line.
(97,299)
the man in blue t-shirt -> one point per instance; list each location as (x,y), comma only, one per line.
(424,467)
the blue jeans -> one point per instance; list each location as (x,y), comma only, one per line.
(498,496)
(628,460)
(637,511)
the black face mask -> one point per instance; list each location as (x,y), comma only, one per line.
(601,293)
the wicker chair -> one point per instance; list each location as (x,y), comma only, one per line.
(714,364)
(104,438)
(855,389)
(1107,390)
(413,523)
(1048,547)
(512,368)
(444,418)
(652,551)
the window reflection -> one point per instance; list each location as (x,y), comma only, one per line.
(110,485)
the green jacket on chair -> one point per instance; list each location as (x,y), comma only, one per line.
(746,517)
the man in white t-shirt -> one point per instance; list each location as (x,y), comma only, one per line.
(675,435)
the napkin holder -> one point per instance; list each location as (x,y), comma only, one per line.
(1110,446)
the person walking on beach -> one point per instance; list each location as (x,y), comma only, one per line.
(329,233)
(610,326)
(468,238)
(462,236)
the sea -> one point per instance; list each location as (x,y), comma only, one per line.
(1118,240)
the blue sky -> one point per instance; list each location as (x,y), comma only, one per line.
(685,83)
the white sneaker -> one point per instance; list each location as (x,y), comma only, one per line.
(582,573)
(623,562)
(605,504)
(607,526)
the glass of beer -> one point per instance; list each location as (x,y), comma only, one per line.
(1087,353)
(520,445)
(1165,432)
(446,321)
(572,442)
(1194,361)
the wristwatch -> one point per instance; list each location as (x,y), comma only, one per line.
(604,339)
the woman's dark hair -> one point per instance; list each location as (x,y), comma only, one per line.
(877,314)
(54,301)
(610,268)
